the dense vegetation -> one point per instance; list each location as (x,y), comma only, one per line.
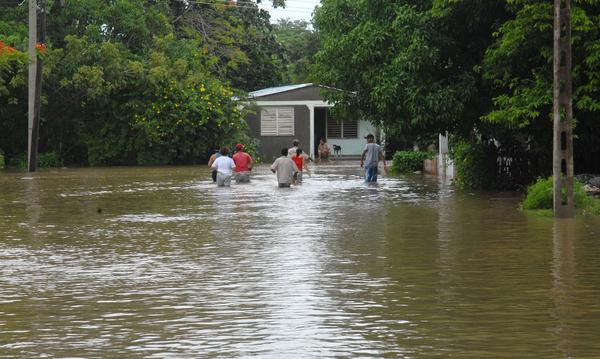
(144,82)
(540,197)
(409,161)
(139,82)
(481,70)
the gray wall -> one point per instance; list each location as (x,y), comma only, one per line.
(302,94)
(270,146)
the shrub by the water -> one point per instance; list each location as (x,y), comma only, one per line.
(49,159)
(476,165)
(409,161)
(44,160)
(540,195)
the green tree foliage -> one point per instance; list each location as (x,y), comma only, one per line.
(481,70)
(411,65)
(301,43)
(519,68)
(475,165)
(239,36)
(135,81)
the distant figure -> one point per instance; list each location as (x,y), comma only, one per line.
(243,164)
(337,150)
(224,166)
(285,169)
(324,150)
(212,159)
(292,150)
(370,159)
(298,159)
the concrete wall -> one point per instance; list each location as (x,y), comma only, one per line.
(354,146)
(270,146)
(302,94)
(431,166)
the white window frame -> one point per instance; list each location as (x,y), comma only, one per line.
(280,128)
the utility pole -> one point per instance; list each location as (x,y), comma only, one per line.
(562,111)
(34,82)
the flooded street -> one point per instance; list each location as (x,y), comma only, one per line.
(158,262)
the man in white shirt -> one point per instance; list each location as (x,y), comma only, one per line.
(224,166)
(285,169)
(370,159)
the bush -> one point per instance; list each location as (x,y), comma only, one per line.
(476,165)
(2,161)
(409,161)
(593,208)
(49,159)
(44,160)
(540,195)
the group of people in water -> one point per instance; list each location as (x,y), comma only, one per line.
(289,167)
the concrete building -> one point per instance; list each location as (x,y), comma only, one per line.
(285,113)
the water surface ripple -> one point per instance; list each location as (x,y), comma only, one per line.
(158,263)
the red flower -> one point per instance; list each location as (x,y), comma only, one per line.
(40,47)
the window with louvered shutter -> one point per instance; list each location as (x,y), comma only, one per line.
(350,129)
(268,122)
(341,129)
(334,128)
(277,121)
(285,121)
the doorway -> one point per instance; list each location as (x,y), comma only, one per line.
(320,127)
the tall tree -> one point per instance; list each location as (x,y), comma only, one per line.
(519,67)
(238,35)
(121,85)
(301,43)
(410,65)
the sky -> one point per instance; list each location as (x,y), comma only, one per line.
(294,9)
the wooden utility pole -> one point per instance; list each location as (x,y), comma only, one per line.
(563,111)
(35,82)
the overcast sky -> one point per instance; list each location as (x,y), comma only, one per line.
(295,9)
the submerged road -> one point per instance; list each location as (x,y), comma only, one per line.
(158,262)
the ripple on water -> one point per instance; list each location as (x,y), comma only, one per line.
(173,266)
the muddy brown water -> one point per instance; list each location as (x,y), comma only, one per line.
(158,262)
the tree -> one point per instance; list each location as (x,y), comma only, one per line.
(301,43)
(121,86)
(519,67)
(239,37)
(410,65)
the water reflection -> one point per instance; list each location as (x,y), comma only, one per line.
(174,266)
(563,290)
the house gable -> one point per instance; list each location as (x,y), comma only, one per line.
(305,92)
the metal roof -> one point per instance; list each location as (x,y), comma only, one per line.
(279,89)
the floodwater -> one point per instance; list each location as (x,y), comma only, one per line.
(158,263)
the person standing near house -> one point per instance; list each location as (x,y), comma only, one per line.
(324,150)
(285,169)
(292,150)
(211,160)
(370,159)
(224,166)
(300,162)
(243,164)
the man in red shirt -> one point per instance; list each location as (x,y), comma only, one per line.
(243,164)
